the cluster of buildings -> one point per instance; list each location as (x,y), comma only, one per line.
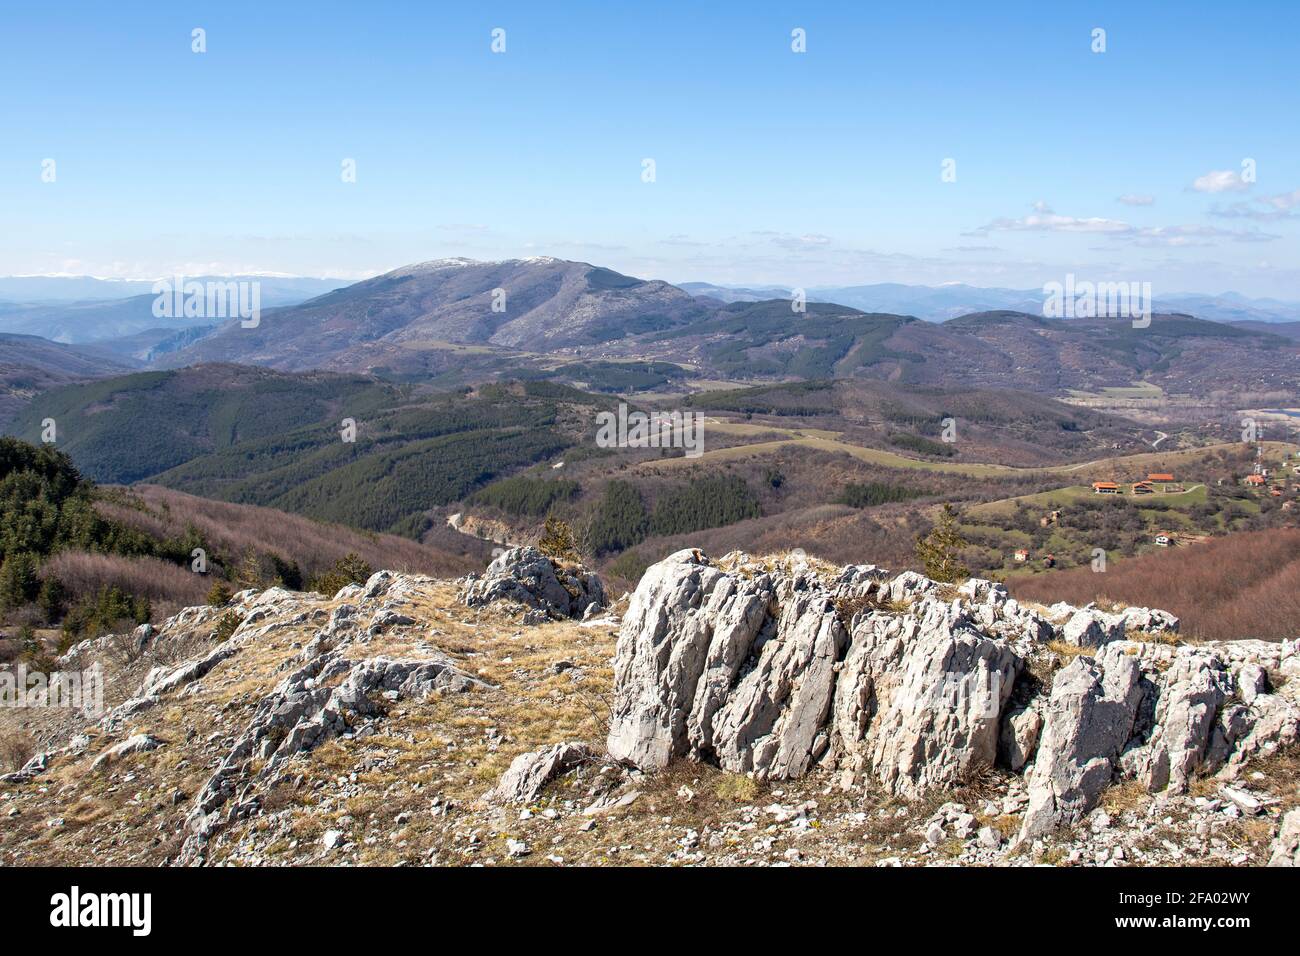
(1157,482)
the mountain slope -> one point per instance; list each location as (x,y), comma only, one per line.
(29,365)
(544,304)
(1000,349)
(258,436)
(453,321)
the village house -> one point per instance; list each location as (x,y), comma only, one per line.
(1165,538)
(1021,555)
(1256,481)
(1105,488)
(1143,488)
(1164,477)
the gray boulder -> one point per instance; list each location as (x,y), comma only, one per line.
(1192,692)
(1285,850)
(140,743)
(528,577)
(688,629)
(529,773)
(919,699)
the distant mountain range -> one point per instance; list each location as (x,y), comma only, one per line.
(276,289)
(456,321)
(437,320)
(940,303)
(75,309)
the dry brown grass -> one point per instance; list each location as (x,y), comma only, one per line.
(1069,651)
(736,787)
(15,750)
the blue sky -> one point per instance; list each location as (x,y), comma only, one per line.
(771,167)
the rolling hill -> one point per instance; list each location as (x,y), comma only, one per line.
(29,365)
(1001,349)
(257,436)
(385,323)
(954,299)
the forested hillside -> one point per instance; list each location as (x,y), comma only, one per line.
(88,560)
(340,448)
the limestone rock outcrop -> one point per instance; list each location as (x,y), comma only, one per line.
(528,577)
(1089,718)
(772,667)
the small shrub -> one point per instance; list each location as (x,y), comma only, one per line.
(736,787)
(557,540)
(219,594)
(226,626)
(15,750)
(349,569)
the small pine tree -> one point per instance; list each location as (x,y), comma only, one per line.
(249,574)
(52,600)
(219,593)
(940,550)
(349,569)
(557,541)
(226,626)
(19,583)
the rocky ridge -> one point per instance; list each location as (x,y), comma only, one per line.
(764,712)
(774,668)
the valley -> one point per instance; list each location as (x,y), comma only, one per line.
(395,403)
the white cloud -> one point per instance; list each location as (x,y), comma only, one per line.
(1263,208)
(1283,201)
(1220,181)
(1133,199)
(1187,236)
(1043,219)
